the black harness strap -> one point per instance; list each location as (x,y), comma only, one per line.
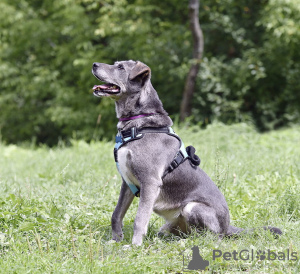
(133,132)
(138,133)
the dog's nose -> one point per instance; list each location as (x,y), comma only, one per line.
(95,65)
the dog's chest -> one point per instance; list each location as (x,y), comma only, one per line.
(125,157)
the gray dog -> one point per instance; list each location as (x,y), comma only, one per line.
(153,164)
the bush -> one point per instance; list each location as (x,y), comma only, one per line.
(249,71)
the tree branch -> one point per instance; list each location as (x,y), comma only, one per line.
(189,88)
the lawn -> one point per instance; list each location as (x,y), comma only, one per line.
(56,205)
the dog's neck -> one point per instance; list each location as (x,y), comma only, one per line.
(144,102)
(157,120)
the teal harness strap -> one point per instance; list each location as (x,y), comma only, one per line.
(120,141)
(182,147)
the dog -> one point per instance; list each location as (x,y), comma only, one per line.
(185,197)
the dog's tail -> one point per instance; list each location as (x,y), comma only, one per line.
(235,231)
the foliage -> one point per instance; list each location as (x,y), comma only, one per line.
(44,52)
(251,63)
(56,205)
(249,72)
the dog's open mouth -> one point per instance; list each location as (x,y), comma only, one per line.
(100,90)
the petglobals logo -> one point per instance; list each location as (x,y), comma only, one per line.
(250,255)
(192,259)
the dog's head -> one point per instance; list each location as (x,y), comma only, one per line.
(124,77)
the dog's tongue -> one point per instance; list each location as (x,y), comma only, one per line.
(106,86)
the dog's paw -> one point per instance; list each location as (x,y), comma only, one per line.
(126,247)
(111,242)
(137,241)
(118,237)
(162,234)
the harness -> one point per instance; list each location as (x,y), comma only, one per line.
(126,136)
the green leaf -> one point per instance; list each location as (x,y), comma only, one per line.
(26,226)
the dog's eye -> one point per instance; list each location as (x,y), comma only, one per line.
(120,66)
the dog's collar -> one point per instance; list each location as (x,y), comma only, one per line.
(135,117)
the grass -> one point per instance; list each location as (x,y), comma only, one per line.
(56,206)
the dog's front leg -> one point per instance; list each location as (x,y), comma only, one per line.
(125,200)
(148,195)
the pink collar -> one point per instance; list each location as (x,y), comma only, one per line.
(135,117)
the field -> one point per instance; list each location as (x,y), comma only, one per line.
(56,206)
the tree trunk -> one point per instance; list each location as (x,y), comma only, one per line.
(189,88)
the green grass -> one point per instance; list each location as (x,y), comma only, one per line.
(56,205)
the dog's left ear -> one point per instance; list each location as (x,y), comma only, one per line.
(140,72)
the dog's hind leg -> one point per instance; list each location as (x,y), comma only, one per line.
(177,227)
(125,200)
(202,216)
(165,229)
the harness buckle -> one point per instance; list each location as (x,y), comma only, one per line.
(177,161)
(133,132)
(173,165)
(118,139)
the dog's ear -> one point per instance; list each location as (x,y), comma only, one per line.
(140,72)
